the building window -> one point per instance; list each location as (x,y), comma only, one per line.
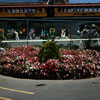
(14,10)
(22,10)
(32,9)
(6,10)
(81,9)
(36,9)
(90,9)
(18,10)
(9,10)
(40,9)
(86,9)
(98,9)
(95,9)
(77,9)
(1,9)
(61,10)
(71,9)
(27,10)
(68,10)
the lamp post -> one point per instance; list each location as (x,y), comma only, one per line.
(28,16)
(27,29)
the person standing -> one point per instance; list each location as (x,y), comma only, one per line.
(63,33)
(32,34)
(42,34)
(93,31)
(85,32)
(16,35)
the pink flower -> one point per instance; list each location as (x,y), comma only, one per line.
(8,65)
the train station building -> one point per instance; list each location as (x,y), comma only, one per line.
(49,16)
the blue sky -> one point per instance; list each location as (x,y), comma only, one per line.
(84,1)
(72,1)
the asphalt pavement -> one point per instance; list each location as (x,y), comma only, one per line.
(28,89)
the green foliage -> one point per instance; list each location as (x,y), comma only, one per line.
(1,39)
(48,51)
(2,44)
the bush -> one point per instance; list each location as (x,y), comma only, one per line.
(1,39)
(2,44)
(48,51)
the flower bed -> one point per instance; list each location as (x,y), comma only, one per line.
(74,64)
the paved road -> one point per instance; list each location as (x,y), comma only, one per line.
(26,89)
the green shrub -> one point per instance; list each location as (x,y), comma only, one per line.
(3,45)
(1,38)
(48,51)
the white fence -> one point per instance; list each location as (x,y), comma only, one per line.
(79,41)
